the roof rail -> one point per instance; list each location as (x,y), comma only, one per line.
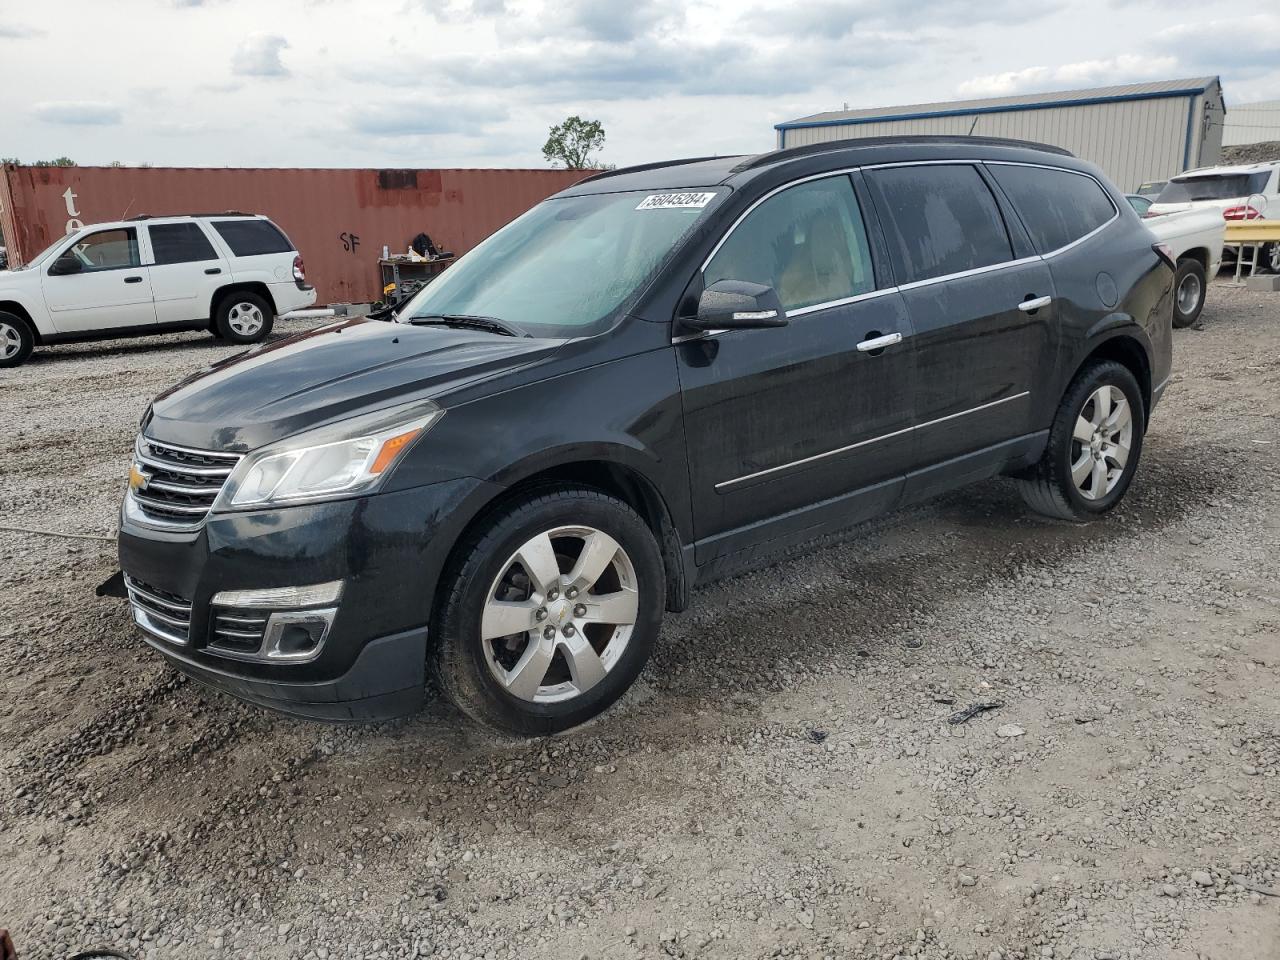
(641,167)
(830,146)
(177,216)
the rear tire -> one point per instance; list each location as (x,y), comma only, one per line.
(1189,288)
(584,611)
(17,339)
(1269,258)
(1094,446)
(243,317)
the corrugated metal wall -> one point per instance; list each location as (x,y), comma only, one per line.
(338,219)
(1132,140)
(1252,123)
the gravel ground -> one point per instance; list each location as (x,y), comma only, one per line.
(782,783)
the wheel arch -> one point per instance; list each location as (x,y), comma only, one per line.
(18,310)
(247,286)
(1199,254)
(617,475)
(1129,348)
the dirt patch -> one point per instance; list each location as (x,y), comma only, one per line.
(782,782)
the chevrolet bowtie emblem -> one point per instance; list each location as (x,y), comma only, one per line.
(137,479)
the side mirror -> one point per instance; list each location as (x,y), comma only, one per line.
(738,305)
(66,264)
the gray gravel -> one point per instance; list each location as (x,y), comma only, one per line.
(783,782)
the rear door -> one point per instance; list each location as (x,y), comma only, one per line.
(185,271)
(110,290)
(982,305)
(783,419)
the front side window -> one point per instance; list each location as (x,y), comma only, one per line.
(107,250)
(179,243)
(807,242)
(1058,207)
(568,265)
(940,219)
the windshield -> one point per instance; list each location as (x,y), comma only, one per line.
(565,267)
(1224,186)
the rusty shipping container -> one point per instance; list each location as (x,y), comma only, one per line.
(338,219)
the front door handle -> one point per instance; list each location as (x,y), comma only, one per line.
(879,342)
(1034,304)
(132,279)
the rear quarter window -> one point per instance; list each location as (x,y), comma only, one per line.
(1057,207)
(252,238)
(941,219)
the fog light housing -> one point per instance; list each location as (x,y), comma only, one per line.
(296,635)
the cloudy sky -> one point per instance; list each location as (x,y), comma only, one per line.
(428,83)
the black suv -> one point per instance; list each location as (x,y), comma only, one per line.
(648,380)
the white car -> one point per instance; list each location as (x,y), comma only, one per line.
(1243,192)
(1193,239)
(229,273)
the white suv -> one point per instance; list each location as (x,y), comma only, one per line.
(229,273)
(1247,191)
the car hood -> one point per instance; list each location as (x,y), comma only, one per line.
(331,373)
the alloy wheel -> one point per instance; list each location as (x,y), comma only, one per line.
(10,341)
(245,319)
(1100,442)
(559,615)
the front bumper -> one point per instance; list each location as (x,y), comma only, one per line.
(388,549)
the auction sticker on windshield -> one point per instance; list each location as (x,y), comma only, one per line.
(667,201)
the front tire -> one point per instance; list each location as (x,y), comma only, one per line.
(1189,288)
(1094,446)
(553,607)
(243,317)
(16,339)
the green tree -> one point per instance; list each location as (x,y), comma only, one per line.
(572,143)
(59,162)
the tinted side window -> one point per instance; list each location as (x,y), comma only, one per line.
(251,238)
(807,242)
(1057,206)
(180,243)
(940,219)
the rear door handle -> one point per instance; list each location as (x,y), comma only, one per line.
(1031,306)
(132,279)
(879,343)
(212,270)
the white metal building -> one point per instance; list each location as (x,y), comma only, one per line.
(1252,123)
(1136,132)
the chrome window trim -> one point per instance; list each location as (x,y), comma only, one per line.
(798,312)
(862,443)
(914,284)
(1115,211)
(976,271)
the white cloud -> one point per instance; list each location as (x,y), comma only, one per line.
(16,31)
(1126,68)
(259,56)
(78,112)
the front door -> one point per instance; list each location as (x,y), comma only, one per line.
(805,426)
(984,323)
(110,290)
(185,271)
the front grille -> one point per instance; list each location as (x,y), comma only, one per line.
(159,612)
(181,484)
(238,631)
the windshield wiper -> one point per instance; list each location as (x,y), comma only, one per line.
(467,321)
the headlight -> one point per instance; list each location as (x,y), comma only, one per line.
(332,461)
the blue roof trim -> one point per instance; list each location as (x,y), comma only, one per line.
(1003,108)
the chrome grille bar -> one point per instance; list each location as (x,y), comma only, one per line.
(182,483)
